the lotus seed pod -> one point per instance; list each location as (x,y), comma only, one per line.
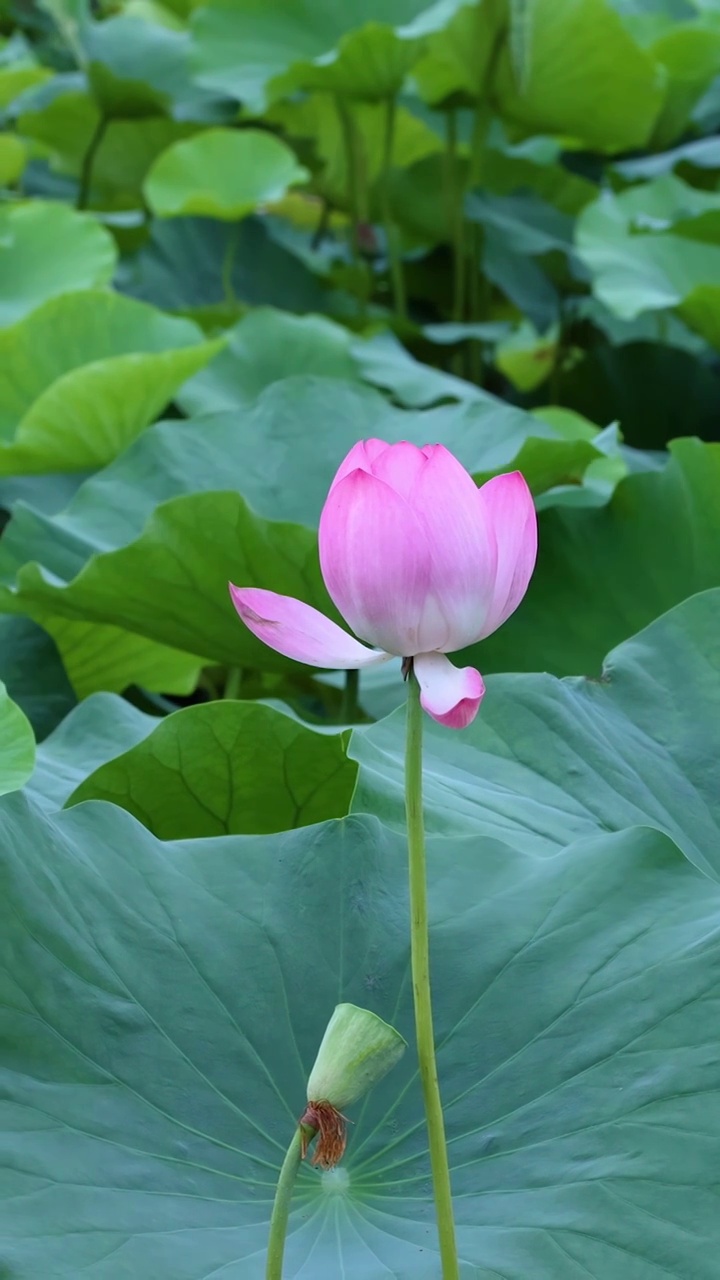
(357,1050)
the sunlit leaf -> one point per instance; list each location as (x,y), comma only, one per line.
(227,767)
(221,173)
(83,375)
(48,249)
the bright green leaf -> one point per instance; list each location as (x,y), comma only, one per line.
(221,173)
(265,346)
(689,54)
(15,80)
(13,158)
(84,375)
(227,767)
(33,674)
(585,77)
(47,249)
(361,49)
(98,657)
(17,744)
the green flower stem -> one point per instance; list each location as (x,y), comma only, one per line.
(281,1207)
(394,256)
(458,217)
(88,161)
(349,701)
(233,682)
(419,947)
(228,264)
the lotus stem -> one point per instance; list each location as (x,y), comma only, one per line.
(420,963)
(89,160)
(281,1207)
(349,701)
(394,256)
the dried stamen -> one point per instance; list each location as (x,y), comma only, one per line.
(329,1124)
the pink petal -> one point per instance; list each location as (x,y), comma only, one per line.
(400,465)
(298,631)
(375,561)
(464,550)
(360,458)
(449,694)
(508,506)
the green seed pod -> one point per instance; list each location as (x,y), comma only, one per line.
(357,1050)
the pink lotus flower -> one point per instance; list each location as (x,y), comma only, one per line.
(419,561)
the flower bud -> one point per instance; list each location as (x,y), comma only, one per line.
(357,1050)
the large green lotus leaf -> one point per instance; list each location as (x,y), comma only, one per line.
(653,389)
(527,225)
(221,173)
(384,362)
(84,375)
(265,346)
(139,68)
(585,77)
(701,310)
(689,54)
(150,544)
(33,673)
(170,583)
(164,1005)
(100,728)
(418,193)
(456,59)
(604,573)
(224,768)
(17,744)
(98,656)
(650,246)
(62,123)
(48,249)
(547,760)
(198,263)
(361,49)
(505,172)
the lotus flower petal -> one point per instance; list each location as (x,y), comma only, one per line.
(451,695)
(510,512)
(375,561)
(298,631)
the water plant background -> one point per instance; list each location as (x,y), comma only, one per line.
(231,248)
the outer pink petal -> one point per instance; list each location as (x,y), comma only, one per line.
(508,506)
(464,550)
(299,631)
(360,458)
(449,694)
(375,561)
